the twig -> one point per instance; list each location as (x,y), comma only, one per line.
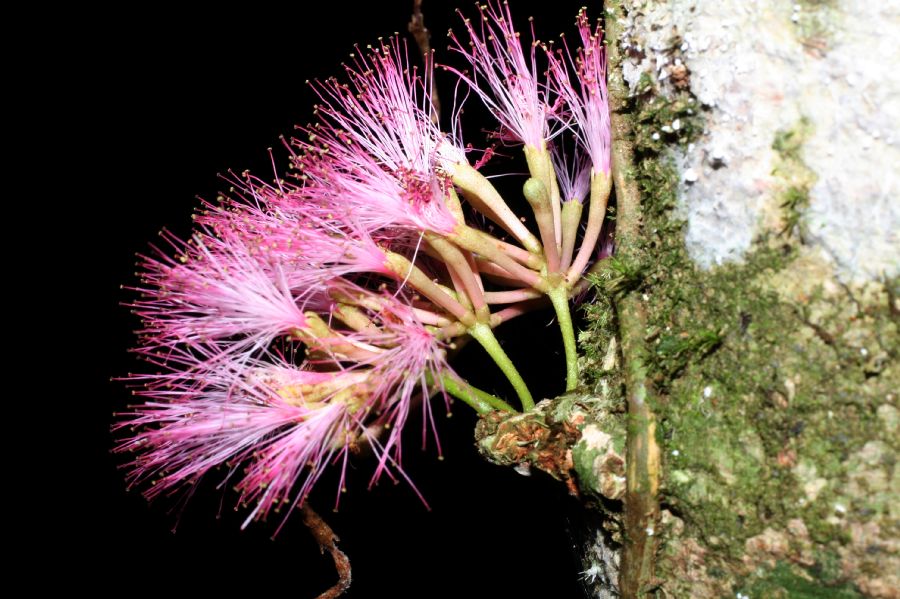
(642,452)
(326,538)
(423,38)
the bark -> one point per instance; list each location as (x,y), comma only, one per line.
(641,508)
(759,338)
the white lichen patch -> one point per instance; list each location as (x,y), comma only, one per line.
(759,68)
(608,465)
(596,438)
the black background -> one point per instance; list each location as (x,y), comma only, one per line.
(170,100)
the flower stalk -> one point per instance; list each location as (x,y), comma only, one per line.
(559,296)
(485,336)
(482,401)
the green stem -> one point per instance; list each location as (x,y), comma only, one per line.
(483,334)
(482,401)
(559,296)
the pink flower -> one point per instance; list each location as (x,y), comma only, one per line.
(375,151)
(573,174)
(587,107)
(505,78)
(279,424)
(309,243)
(282,424)
(214,290)
(412,363)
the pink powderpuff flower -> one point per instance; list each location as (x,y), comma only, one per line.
(411,364)
(351,182)
(215,290)
(573,174)
(293,238)
(387,109)
(375,151)
(505,78)
(587,108)
(225,396)
(283,424)
(310,245)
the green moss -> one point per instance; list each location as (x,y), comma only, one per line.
(785,582)
(789,142)
(617,276)
(674,352)
(815,24)
(595,341)
(750,393)
(645,83)
(769,382)
(797,178)
(662,122)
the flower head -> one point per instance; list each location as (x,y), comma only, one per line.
(368,361)
(214,290)
(587,107)
(308,317)
(281,424)
(505,76)
(375,152)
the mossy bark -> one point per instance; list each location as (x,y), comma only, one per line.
(772,385)
(641,506)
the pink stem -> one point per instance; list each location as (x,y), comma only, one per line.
(498,273)
(432,318)
(511,297)
(460,272)
(471,240)
(507,314)
(600,186)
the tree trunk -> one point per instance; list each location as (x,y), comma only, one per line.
(736,426)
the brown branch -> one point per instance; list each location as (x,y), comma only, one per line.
(423,38)
(642,451)
(326,538)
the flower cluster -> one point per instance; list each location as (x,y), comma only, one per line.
(305,319)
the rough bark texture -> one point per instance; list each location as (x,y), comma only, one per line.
(775,369)
(641,513)
(768,334)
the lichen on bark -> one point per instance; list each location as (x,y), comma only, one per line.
(776,398)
